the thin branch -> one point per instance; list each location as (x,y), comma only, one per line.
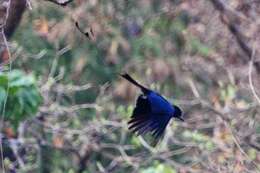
(229,19)
(236,141)
(88,34)
(250,76)
(58,109)
(7,91)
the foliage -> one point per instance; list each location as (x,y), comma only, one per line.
(159,168)
(23,96)
(179,48)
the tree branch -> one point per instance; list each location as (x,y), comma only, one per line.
(229,19)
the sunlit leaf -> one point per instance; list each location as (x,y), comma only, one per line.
(23,96)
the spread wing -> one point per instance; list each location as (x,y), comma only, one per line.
(144,121)
(158,132)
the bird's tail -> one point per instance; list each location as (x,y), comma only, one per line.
(130,79)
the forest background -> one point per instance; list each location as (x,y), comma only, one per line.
(64,107)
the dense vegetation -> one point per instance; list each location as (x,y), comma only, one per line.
(67,107)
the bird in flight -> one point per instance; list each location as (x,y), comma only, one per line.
(152,112)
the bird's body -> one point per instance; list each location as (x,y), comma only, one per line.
(162,105)
(152,112)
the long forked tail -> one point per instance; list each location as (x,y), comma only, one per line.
(130,79)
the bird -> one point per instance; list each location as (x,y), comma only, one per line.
(152,112)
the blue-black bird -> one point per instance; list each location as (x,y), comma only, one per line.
(152,112)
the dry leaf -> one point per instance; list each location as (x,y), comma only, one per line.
(41,27)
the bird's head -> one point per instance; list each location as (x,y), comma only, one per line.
(178,113)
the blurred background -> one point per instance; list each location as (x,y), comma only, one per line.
(67,108)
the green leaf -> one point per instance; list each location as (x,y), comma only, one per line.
(159,168)
(2,95)
(198,47)
(17,78)
(23,96)
(3,80)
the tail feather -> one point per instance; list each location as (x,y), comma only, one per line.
(130,79)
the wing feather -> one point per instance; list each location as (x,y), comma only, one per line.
(145,121)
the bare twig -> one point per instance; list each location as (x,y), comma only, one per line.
(2,25)
(251,62)
(229,19)
(64,109)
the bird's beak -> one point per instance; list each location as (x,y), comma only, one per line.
(180,118)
